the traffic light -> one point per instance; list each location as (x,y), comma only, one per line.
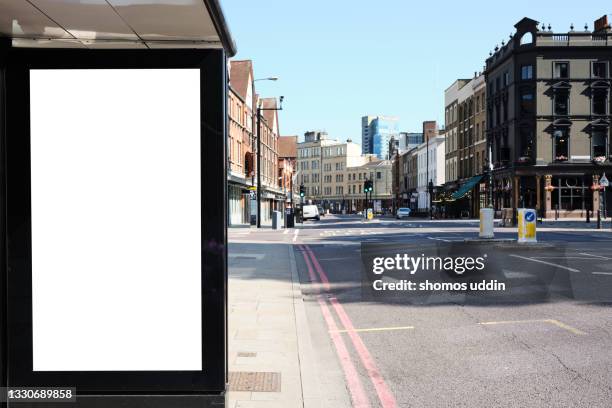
(368,186)
(302,194)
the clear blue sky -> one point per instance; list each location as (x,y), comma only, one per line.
(338,60)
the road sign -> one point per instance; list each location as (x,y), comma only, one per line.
(252,188)
(603,181)
(252,195)
(526,225)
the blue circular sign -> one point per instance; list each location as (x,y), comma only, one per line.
(530,216)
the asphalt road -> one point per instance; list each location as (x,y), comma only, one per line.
(544,341)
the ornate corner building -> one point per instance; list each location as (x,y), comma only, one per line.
(548,118)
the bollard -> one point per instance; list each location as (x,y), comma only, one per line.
(598,219)
(486,223)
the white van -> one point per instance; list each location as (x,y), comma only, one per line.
(310,212)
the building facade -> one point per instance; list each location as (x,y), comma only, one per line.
(287,163)
(548,118)
(466,150)
(380,172)
(322,164)
(272,196)
(241,141)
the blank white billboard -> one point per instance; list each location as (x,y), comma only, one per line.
(116,220)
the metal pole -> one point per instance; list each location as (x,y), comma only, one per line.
(258,167)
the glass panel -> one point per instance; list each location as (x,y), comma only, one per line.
(598,142)
(561,103)
(561,145)
(116,220)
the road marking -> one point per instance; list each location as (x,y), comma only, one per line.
(295,235)
(387,400)
(376,329)
(549,321)
(596,256)
(544,262)
(358,394)
(602,273)
(246,256)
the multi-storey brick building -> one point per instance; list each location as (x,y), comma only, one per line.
(548,118)
(272,197)
(241,141)
(466,147)
(287,163)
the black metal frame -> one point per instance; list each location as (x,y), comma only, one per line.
(16,341)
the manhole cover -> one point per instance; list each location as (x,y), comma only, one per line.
(254,381)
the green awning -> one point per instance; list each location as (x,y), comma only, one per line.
(466,187)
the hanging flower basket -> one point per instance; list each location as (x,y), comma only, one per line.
(524,159)
(599,159)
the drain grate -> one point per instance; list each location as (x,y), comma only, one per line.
(254,381)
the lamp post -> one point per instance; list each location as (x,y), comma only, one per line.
(259,109)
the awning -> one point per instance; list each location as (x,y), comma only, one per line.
(466,187)
(116,24)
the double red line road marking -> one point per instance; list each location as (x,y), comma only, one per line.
(358,395)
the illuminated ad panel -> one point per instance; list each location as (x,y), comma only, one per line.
(116,220)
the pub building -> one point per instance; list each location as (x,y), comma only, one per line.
(548,118)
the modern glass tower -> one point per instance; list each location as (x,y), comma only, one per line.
(376,133)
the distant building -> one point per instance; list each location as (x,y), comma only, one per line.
(409,140)
(287,163)
(379,171)
(376,132)
(466,146)
(321,166)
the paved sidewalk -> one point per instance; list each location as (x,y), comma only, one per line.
(268,331)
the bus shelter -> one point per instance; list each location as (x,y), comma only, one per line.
(113,209)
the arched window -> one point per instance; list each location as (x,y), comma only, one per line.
(527,38)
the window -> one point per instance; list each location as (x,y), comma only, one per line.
(506,79)
(600,101)
(527,145)
(527,102)
(561,145)
(561,70)
(378,175)
(527,72)
(561,102)
(598,144)
(600,70)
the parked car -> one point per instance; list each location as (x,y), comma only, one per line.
(402,212)
(310,212)
(321,210)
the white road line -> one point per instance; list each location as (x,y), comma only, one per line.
(544,262)
(601,273)
(596,256)
(295,235)
(439,239)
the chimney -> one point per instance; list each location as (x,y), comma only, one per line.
(601,25)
